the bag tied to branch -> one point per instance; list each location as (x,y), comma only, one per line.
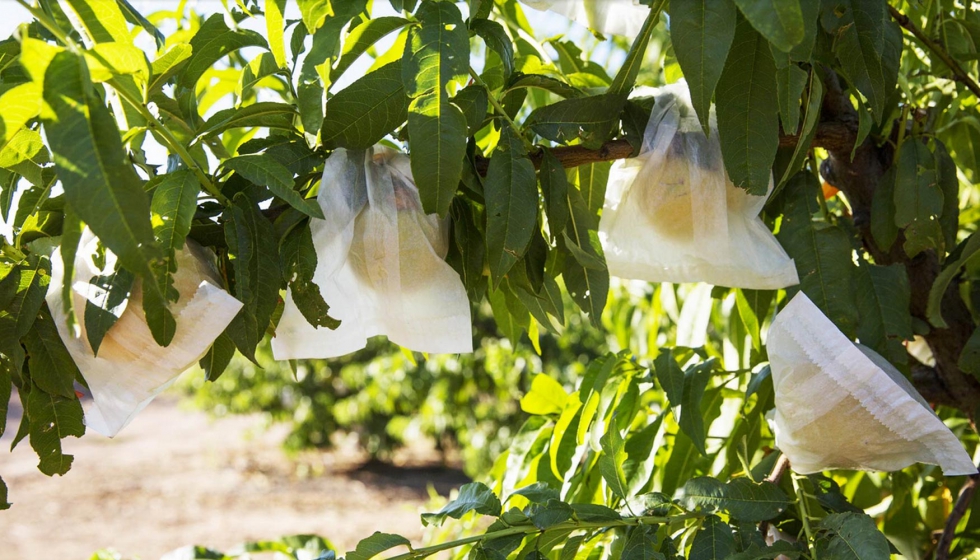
(380,265)
(840,405)
(131,368)
(609,17)
(672,215)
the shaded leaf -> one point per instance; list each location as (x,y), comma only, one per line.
(52,418)
(512,211)
(361,114)
(474,496)
(702,33)
(376,544)
(714,541)
(588,120)
(264,170)
(779,21)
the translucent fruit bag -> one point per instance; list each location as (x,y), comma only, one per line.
(840,405)
(131,368)
(672,215)
(380,265)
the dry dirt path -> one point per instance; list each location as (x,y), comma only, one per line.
(174,478)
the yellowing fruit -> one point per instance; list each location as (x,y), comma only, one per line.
(420,247)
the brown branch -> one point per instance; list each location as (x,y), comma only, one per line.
(937,49)
(778,470)
(959,510)
(829,135)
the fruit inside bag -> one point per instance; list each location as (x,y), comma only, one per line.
(672,215)
(840,405)
(131,368)
(611,17)
(380,265)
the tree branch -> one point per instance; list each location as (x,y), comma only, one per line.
(937,49)
(962,504)
(831,135)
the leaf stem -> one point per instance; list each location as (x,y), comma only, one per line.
(531,148)
(801,503)
(171,142)
(418,553)
(937,49)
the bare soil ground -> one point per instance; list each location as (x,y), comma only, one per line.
(174,478)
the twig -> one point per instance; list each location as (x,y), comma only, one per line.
(962,504)
(778,470)
(830,135)
(937,49)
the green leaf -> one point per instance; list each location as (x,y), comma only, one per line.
(212,42)
(714,541)
(753,306)
(917,192)
(538,493)
(314,12)
(264,114)
(641,544)
(585,274)
(883,296)
(108,60)
(298,266)
(918,197)
(363,37)
(670,376)
(779,21)
(18,105)
(779,549)
(473,102)
(512,209)
(861,48)
(546,396)
(547,83)
(265,171)
(274,30)
(586,120)
(102,21)
(108,299)
(52,368)
(966,251)
(361,114)
(811,116)
(4,504)
(251,241)
(611,461)
(743,499)
(747,124)
(550,513)
(167,65)
(950,186)
(851,536)
(376,544)
(218,357)
(625,78)
(52,418)
(822,253)
(496,38)
(554,186)
(100,184)
(702,32)
(790,82)
(28,284)
(691,421)
(883,228)
(474,496)
(173,206)
(133,16)
(437,53)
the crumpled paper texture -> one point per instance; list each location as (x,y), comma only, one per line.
(672,215)
(131,368)
(609,17)
(839,405)
(380,265)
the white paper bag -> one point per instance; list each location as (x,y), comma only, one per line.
(672,215)
(380,265)
(609,17)
(839,405)
(131,368)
